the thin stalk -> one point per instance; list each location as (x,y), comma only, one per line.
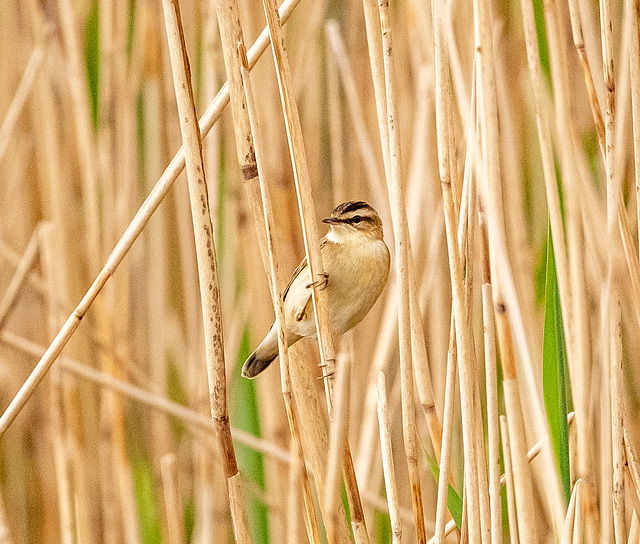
(447,431)
(613,302)
(310,237)
(493,422)
(153,200)
(569,521)
(511,498)
(172,500)
(443,112)
(10,297)
(207,266)
(20,97)
(403,259)
(387,460)
(276,281)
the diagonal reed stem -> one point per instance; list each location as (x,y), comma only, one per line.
(150,205)
(207,266)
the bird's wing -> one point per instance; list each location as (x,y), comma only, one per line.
(301,310)
(301,267)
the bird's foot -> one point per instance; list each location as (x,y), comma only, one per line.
(321,283)
(327,363)
(327,375)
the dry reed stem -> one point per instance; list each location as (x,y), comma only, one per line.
(511,499)
(493,422)
(52,275)
(578,41)
(521,474)
(633,465)
(335,121)
(10,297)
(148,398)
(571,280)
(338,434)
(83,132)
(634,531)
(447,432)
(172,500)
(578,524)
(613,302)
(311,243)
(20,97)
(617,411)
(370,161)
(403,259)
(276,281)
(153,200)
(303,189)
(374,43)
(569,521)
(207,267)
(634,61)
(387,460)
(460,309)
(232,40)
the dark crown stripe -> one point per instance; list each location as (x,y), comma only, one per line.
(351,207)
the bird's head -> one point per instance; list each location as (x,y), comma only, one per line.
(353,219)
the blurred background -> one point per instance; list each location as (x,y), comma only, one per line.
(89,123)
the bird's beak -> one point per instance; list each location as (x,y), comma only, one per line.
(332,221)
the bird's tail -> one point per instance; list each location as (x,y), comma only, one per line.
(261,358)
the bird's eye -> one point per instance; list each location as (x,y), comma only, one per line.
(356,219)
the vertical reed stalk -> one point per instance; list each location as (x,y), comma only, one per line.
(310,236)
(402,247)
(52,272)
(443,112)
(613,302)
(207,267)
(387,460)
(276,281)
(172,500)
(447,431)
(153,200)
(511,496)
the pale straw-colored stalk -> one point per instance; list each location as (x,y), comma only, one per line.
(569,521)
(312,245)
(447,431)
(84,137)
(153,200)
(207,267)
(232,39)
(578,524)
(493,422)
(403,259)
(387,460)
(172,500)
(338,435)
(53,275)
(511,498)
(12,293)
(460,309)
(613,302)
(276,278)
(20,97)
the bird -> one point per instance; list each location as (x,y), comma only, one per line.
(356,264)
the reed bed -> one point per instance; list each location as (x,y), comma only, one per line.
(490,396)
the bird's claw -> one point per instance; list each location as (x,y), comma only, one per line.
(321,283)
(326,363)
(327,375)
